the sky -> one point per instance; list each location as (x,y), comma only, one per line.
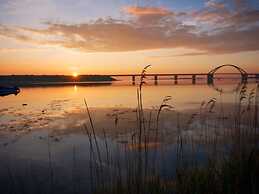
(123,36)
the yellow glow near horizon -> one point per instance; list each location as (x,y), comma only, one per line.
(75,74)
(58,62)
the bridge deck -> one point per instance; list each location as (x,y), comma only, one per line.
(175,74)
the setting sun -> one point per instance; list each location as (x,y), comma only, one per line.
(75,74)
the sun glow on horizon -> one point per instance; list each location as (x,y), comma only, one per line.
(75,74)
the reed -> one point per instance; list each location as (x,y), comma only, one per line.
(217,175)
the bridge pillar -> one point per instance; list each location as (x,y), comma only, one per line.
(193,79)
(209,79)
(133,80)
(244,77)
(257,76)
(256,107)
(156,78)
(175,79)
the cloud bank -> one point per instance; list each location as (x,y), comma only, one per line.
(217,28)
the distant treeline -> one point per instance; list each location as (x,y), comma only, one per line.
(22,80)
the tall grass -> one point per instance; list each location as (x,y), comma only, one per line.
(232,164)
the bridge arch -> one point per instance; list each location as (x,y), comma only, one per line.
(213,71)
(242,71)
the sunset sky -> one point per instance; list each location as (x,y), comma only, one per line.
(122,36)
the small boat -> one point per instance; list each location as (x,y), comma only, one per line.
(5,91)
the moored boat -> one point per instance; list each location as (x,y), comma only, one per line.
(4,91)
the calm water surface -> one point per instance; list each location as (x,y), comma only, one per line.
(44,120)
(107,96)
(56,106)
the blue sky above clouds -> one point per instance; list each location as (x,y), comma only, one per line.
(34,12)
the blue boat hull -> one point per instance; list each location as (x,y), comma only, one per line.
(5,91)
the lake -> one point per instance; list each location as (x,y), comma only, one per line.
(47,137)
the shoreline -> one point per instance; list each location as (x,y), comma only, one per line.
(118,121)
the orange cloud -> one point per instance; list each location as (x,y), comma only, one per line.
(153,28)
(144,11)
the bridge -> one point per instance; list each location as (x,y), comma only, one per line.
(193,76)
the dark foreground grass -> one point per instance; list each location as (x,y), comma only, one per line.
(231,176)
(237,173)
(233,169)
